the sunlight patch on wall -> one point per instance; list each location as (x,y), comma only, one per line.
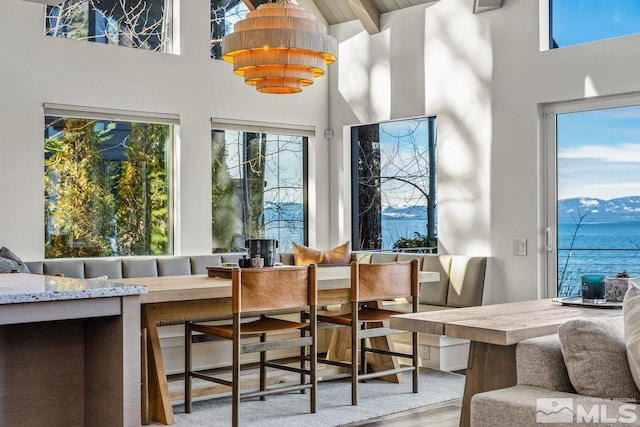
(589,87)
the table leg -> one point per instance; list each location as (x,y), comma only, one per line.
(159,399)
(490,367)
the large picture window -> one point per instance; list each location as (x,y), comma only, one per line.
(394,185)
(106,187)
(593,191)
(259,188)
(141,24)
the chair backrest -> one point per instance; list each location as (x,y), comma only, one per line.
(273,288)
(371,282)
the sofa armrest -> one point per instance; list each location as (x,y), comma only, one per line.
(539,363)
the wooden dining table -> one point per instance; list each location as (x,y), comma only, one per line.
(176,299)
(494,331)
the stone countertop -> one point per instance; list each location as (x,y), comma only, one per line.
(17,288)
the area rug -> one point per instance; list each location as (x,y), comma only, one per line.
(375,398)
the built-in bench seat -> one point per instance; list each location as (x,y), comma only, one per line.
(461,284)
(135,266)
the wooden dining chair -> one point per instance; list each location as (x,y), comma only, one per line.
(262,293)
(370,285)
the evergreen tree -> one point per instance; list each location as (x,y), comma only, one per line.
(77,192)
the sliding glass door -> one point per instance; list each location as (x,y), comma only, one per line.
(593,170)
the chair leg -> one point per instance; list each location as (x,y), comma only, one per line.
(187,367)
(235,380)
(416,361)
(354,356)
(313,331)
(303,354)
(263,369)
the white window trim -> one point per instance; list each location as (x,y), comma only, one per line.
(99,113)
(263,127)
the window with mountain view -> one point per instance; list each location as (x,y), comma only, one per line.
(598,194)
(106,188)
(574,22)
(259,188)
(141,24)
(224,15)
(394,185)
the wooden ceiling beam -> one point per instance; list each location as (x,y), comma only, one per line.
(367,13)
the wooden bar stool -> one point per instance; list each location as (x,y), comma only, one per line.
(370,284)
(264,292)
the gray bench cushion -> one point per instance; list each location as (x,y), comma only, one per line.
(199,263)
(139,267)
(174,266)
(112,268)
(466,281)
(435,293)
(65,267)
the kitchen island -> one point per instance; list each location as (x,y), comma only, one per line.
(69,351)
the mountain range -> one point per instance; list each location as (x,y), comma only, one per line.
(622,208)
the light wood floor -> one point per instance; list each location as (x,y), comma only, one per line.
(445,414)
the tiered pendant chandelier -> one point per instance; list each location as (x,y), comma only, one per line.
(279,48)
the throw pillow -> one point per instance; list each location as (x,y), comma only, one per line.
(8,254)
(8,265)
(631,315)
(303,255)
(595,354)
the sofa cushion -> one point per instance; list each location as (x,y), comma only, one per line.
(435,293)
(303,255)
(595,354)
(540,363)
(6,253)
(631,316)
(466,281)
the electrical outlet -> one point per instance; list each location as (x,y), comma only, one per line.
(519,246)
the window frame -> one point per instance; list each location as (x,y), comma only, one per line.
(305,132)
(104,114)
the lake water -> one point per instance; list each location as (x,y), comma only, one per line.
(598,248)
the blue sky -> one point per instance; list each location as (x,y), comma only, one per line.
(598,151)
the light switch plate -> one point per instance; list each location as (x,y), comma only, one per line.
(519,246)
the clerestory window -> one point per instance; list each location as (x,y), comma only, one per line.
(574,22)
(224,15)
(141,24)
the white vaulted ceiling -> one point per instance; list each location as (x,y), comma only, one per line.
(369,11)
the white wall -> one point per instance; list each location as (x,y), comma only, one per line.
(36,69)
(485,78)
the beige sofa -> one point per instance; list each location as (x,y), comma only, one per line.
(590,357)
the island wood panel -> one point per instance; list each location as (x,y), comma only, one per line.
(83,371)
